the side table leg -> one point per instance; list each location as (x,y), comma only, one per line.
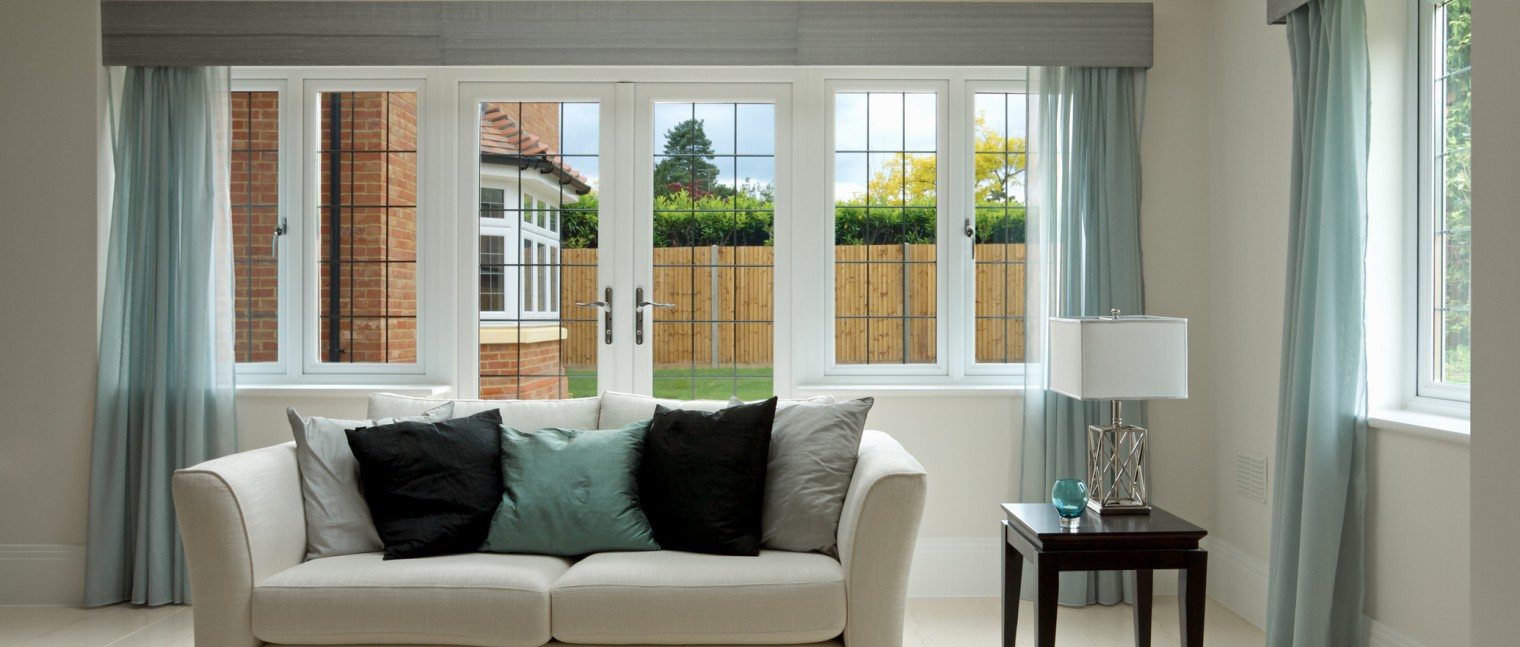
(1143,591)
(1013,573)
(1191,586)
(1046,595)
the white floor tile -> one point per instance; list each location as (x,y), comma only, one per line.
(930,622)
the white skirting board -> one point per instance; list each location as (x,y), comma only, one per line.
(41,574)
(1239,581)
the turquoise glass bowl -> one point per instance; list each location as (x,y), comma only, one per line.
(1069,496)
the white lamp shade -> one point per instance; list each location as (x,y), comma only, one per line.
(1129,358)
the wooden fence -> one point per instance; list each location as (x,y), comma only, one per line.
(723,304)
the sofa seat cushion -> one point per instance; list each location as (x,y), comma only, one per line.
(468,599)
(679,598)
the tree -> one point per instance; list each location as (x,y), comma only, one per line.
(1457,216)
(578,222)
(690,169)
(909,180)
(997,175)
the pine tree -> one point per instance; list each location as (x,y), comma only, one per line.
(691,169)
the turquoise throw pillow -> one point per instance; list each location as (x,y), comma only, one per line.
(570,492)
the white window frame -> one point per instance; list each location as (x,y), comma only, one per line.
(967,187)
(448,242)
(284,269)
(311,168)
(642,98)
(1429,393)
(945,204)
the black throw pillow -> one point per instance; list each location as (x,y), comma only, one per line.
(702,478)
(431,487)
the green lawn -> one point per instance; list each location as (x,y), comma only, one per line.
(752,383)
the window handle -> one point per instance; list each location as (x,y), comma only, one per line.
(971,233)
(638,314)
(606,305)
(274,239)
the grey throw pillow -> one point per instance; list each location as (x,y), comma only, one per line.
(812,459)
(337,518)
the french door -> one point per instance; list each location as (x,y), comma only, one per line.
(624,237)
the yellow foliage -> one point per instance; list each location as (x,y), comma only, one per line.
(910,179)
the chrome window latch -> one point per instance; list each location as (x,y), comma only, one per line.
(274,240)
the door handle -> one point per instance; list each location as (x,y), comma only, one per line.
(638,314)
(606,305)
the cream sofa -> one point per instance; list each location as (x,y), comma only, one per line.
(243,525)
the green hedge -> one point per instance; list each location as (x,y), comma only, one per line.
(743,220)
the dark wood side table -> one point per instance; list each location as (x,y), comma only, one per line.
(1139,543)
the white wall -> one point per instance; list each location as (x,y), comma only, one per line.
(1496,272)
(1417,584)
(47,283)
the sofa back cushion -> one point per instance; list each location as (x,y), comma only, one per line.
(622,409)
(577,413)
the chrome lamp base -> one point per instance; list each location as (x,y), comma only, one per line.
(1116,468)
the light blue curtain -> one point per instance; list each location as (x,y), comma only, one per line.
(164,390)
(1318,511)
(1084,259)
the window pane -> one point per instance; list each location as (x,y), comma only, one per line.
(529,272)
(1450,201)
(492,270)
(713,219)
(543,159)
(368,244)
(255,201)
(998,284)
(885,228)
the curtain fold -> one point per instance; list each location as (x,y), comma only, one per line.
(1083,260)
(1317,573)
(164,388)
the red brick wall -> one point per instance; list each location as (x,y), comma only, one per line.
(501,364)
(377,259)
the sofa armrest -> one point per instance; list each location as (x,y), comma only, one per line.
(877,532)
(242,520)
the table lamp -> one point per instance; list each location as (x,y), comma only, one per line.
(1118,358)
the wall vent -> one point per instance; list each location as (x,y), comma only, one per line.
(1251,475)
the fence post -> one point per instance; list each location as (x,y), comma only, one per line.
(907,301)
(712,312)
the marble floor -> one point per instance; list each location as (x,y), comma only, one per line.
(931,622)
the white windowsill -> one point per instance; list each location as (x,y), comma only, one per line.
(322,390)
(914,390)
(1435,426)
